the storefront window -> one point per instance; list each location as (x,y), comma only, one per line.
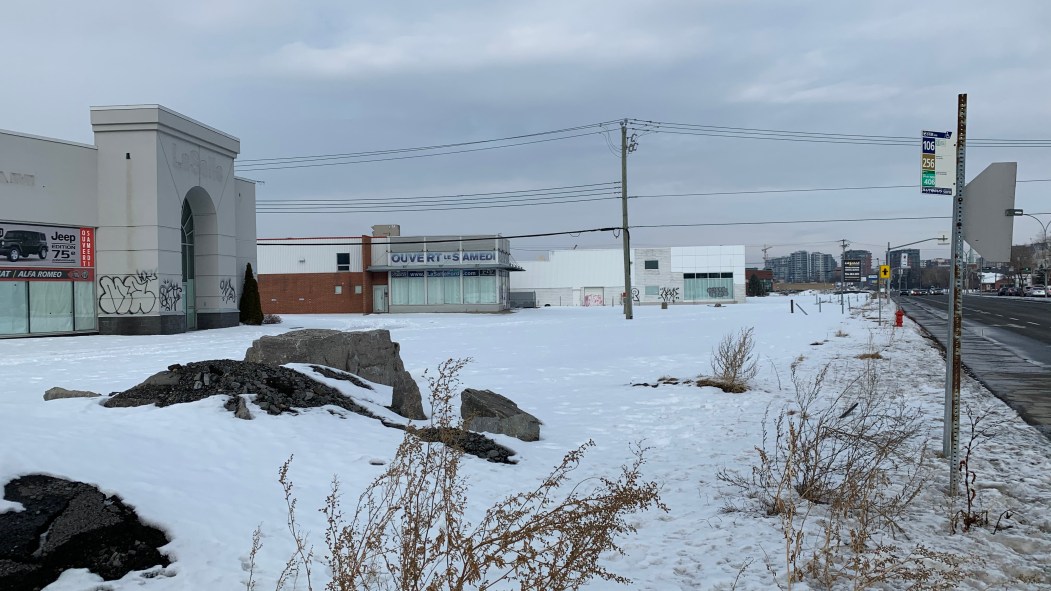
(50,306)
(443,287)
(480,287)
(14,307)
(84,305)
(708,286)
(408,288)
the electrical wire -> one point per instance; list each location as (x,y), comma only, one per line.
(393,240)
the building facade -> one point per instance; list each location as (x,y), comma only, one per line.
(387,273)
(595,277)
(145,232)
(822,267)
(860,255)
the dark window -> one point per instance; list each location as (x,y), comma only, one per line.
(651,265)
(342,261)
(727,275)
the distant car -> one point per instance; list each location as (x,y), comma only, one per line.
(903,292)
(917,291)
(1037,291)
(936,291)
(1003,291)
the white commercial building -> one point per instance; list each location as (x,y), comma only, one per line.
(677,274)
(145,232)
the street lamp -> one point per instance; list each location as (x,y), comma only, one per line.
(1043,228)
(940,239)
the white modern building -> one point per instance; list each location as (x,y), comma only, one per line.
(145,232)
(677,274)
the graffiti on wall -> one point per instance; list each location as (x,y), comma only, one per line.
(134,293)
(634,294)
(718,292)
(170,295)
(226,291)
(669,294)
(593,299)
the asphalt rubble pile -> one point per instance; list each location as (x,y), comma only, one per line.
(279,390)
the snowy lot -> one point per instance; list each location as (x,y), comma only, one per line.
(209,479)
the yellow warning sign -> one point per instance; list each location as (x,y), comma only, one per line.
(884,271)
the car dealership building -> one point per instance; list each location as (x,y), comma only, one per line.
(145,232)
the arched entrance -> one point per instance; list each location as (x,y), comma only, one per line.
(188,267)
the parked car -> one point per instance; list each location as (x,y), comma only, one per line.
(1037,291)
(16,244)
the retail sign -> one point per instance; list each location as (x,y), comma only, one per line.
(41,247)
(28,274)
(442,258)
(938,163)
(852,270)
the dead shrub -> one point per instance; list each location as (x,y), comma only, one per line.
(872,355)
(272,319)
(734,363)
(855,459)
(408,530)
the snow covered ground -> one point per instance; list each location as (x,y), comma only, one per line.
(209,479)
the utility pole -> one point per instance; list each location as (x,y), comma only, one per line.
(624,211)
(842,272)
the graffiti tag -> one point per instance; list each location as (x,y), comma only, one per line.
(635,294)
(171,295)
(718,292)
(669,294)
(226,291)
(127,294)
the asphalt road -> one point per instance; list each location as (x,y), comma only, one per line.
(1006,345)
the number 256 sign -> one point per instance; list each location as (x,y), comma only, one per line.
(938,163)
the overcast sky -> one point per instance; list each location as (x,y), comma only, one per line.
(319,77)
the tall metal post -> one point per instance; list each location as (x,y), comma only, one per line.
(953,375)
(624,211)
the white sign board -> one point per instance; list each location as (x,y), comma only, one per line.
(938,163)
(904,259)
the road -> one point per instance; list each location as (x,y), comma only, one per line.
(1006,345)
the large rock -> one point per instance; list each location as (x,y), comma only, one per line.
(370,354)
(485,410)
(66,524)
(57,393)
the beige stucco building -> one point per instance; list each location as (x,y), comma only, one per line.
(145,232)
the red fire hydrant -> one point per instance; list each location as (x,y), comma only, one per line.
(898,315)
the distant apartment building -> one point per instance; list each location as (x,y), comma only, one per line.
(860,255)
(822,267)
(799,267)
(909,256)
(778,267)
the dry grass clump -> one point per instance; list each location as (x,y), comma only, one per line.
(870,355)
(408,530)
(734,363)
(839,472)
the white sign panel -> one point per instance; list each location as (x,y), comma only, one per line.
(938,163)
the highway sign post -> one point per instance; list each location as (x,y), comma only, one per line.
(884,271)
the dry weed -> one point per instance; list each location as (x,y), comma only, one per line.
(408,530)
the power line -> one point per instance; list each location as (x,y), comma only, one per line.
(771,222)
(819,137)
(392,239)
(549,191)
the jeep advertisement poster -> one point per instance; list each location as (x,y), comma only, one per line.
(56,253)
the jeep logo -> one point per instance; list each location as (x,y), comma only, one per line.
(64,237)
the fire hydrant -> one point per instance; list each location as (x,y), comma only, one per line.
(898,315)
